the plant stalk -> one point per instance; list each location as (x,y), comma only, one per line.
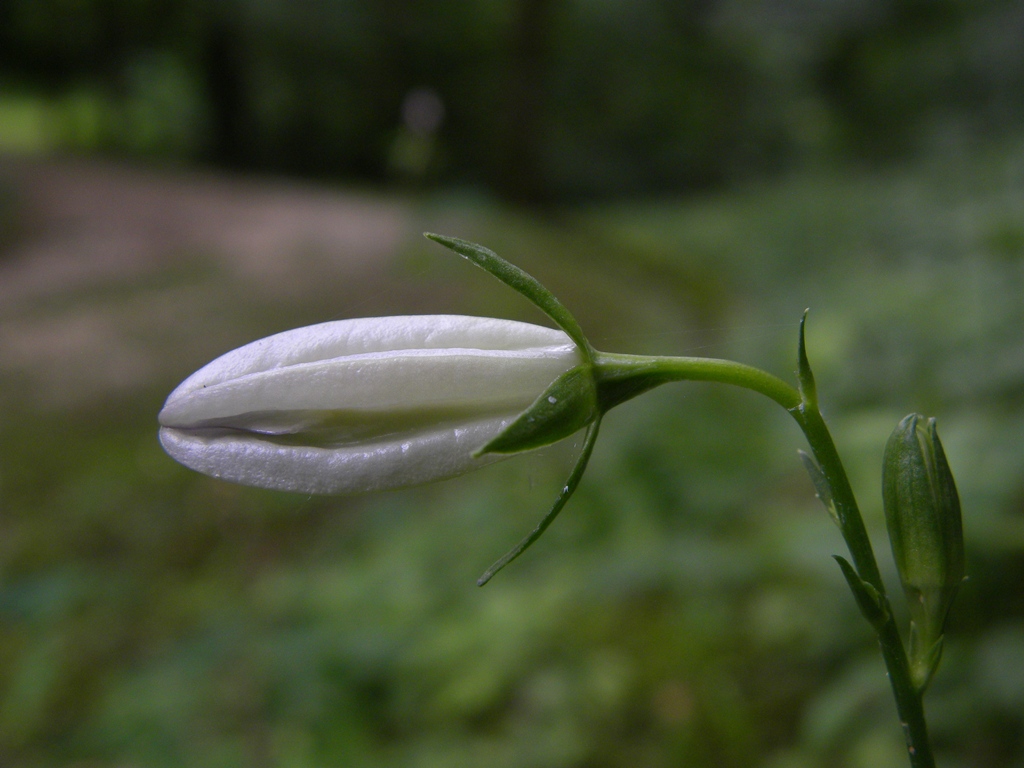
(625,376)
(909,704)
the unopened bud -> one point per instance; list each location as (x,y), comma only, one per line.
(922,513)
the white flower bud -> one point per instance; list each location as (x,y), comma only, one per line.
(362,405)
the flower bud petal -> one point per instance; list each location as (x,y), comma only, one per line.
(361,405)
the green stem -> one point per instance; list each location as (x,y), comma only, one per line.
(621,377)
(909,704)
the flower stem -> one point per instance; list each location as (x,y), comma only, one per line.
(621,377)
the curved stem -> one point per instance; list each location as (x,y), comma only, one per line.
(621,377)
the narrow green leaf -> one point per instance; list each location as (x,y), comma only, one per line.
(871,603)
(808,389)
(822,489)
(567,491)
(520,281)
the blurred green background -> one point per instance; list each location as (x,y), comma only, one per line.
(178,178)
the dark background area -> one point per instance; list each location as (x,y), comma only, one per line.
(179,178)
(542,99)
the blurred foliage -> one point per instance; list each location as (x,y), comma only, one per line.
(542,99)
(684,609)
(860,157)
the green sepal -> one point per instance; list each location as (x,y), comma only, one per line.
(521,282)
(566,493)
(873,605)
(822,488)
(568,405)
(808,389)
(923,661)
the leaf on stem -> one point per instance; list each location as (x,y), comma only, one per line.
(822,488)
(873,605)
(808,390)
(521,282)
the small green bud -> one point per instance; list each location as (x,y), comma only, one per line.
(922,513)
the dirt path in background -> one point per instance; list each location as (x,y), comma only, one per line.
(92,229)
(91,221)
